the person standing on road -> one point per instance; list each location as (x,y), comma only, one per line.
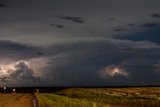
(35,102)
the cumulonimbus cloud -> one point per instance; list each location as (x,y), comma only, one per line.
(24,72)
(17,71)
(113,71)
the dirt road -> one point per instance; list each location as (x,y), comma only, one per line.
(16,100)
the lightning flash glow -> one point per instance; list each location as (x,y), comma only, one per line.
(113,71)
(22,70)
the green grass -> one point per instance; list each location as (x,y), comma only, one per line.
(78,97)
(115,95)
(52,100)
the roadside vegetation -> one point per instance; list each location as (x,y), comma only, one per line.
(88,97)
(52,100)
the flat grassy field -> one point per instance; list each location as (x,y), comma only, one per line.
(89,97)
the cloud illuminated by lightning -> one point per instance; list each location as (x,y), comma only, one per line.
(30,70)
(113,71)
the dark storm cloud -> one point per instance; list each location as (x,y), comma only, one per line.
(40,53)
(119,29)
(57,26)
(157,68)
(2,4)
(150,25)
(13,46)
(68,54)
(86,59)
(73,19)
(156,15)
(15,51)
(149,35)
(139,68)
(131,24)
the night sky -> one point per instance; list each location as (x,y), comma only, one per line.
(79,42)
